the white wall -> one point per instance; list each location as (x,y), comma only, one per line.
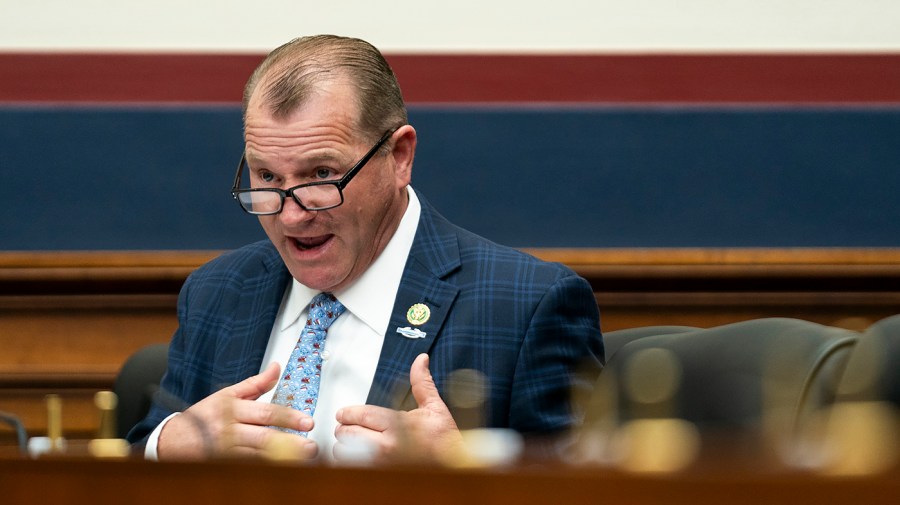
(455,26)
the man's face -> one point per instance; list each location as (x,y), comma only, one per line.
(325,250)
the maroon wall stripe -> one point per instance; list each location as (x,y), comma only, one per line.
(124,77)
(456,78)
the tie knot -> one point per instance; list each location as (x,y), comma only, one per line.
(323,310)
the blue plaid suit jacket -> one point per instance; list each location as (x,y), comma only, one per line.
(527,325)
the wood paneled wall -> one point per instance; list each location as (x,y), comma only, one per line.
(68,320)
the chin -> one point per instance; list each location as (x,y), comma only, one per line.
(314,278)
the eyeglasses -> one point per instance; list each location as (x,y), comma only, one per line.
(319,195)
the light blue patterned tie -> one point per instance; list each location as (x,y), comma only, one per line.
(299,385)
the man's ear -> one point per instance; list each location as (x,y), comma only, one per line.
(404,151)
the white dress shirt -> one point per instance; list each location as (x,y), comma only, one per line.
(354,340)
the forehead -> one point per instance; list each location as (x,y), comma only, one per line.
(325,120)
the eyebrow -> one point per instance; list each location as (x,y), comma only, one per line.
(313,159)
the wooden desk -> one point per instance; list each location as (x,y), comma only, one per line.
(139,482)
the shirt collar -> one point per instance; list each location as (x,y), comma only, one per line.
(371,297)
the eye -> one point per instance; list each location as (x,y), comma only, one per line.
(266,177)
(324,173)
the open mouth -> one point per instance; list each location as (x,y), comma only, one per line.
(311,243)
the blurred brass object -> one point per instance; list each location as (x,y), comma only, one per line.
(657,445)
(466,388)
(652,376)
(592,440)
(860,438)
(655,442)
(54,422)
(106,402)
(466,396)
(486,448)
(106,445)
(109,448)
(860,434)
(279,448)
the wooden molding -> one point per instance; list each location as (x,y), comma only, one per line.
(173,266)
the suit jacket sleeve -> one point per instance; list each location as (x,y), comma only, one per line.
(561,352)
(168,398)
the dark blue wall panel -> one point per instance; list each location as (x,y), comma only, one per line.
(87,178)
(159,177)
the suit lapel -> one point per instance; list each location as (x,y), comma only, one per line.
(434,255)
(254,316)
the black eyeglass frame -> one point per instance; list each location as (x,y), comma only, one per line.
(340,184)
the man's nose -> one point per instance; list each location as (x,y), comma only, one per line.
(292,212)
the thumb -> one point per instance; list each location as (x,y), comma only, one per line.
(423,388)
(253,387)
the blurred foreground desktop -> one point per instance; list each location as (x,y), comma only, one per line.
(77,482)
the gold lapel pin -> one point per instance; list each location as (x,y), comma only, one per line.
(418,314)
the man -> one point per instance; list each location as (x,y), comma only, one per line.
(409,297)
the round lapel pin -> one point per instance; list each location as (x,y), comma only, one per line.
(418,314)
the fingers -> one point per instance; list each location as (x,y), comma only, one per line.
(374,418)
(378,435)
(251,432)
(219,423)
(260,441)
(269,414)
(245,427)
(252,388)
(355,444)
(427,431)
(353,449)
(380,419)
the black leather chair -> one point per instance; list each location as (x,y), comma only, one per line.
(731,375)
(136,383)
(614,340)
(873,372)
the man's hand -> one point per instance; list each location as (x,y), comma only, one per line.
(231,422)
(428,431)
